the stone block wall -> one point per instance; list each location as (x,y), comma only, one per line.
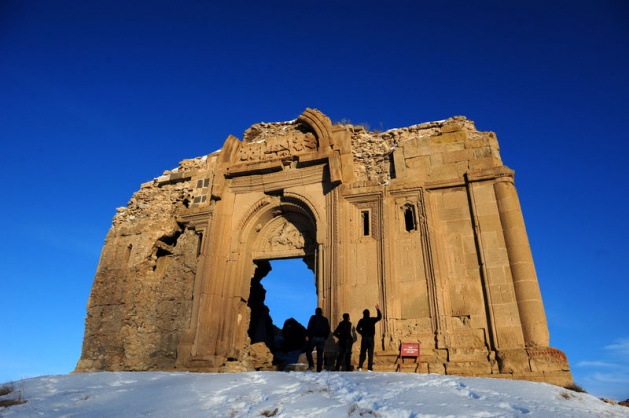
(423,220)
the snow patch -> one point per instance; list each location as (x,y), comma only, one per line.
(298,394)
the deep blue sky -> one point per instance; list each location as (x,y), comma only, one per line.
(97,97)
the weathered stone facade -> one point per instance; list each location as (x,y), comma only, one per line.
(424,220)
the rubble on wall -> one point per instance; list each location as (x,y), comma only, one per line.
(373,150)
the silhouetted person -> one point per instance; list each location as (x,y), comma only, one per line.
(367,329)
(294,335)
(344,334)
(291,345)
(317,332)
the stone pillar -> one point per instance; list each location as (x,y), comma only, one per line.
(532,315)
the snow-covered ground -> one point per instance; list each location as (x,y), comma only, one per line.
(297,394)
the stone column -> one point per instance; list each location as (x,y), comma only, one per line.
(529,298)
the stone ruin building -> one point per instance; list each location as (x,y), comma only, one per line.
(424,220)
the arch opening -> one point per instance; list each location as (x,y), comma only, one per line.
(283,297)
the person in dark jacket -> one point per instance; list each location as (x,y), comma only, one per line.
(290,344)
(317,332)
(345,339)
(367,329)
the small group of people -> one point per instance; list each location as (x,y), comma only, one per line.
(318,331)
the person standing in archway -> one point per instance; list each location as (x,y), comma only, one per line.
(317,332)
(367,329)
(344,334)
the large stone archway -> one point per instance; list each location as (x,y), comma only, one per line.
(424,221)
(276,226)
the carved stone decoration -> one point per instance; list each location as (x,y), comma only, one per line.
(281,239)
(264,142)
(290,145)
(287,236)
(304,143)
(423,220)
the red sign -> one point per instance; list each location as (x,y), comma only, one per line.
(409,350)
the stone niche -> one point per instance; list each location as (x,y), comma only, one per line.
(424,220)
